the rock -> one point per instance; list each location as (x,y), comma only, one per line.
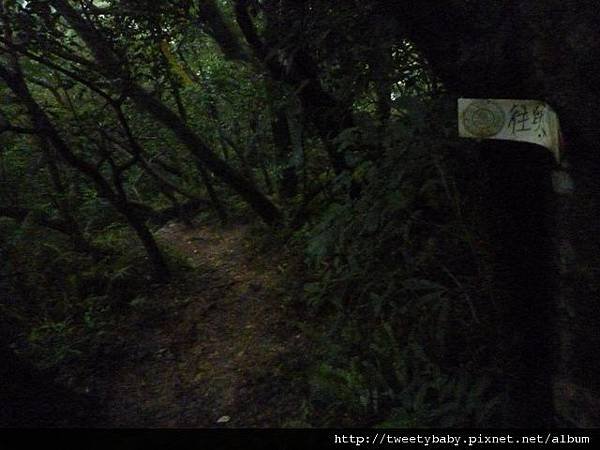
(224,419)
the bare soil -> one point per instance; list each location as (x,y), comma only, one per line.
(219,348)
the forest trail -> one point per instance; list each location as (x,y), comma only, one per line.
(220,353)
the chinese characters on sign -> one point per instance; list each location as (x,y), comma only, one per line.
(515,120)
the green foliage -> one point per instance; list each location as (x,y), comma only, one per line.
(392,272)
(66,303)
(53,342)
(401,326)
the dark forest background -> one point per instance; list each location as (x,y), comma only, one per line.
(435,281)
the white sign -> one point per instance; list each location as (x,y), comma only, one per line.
(514,120)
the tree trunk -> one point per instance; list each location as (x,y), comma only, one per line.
(259,202)
(212,194)
(327,114)
(288,184)
(80,243)
(548,51)
(16,83)
(112,66)
(161,270)
(519,216)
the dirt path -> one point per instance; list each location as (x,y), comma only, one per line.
(222,348)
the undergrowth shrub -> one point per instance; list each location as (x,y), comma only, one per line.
(67,304)
(398,284)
